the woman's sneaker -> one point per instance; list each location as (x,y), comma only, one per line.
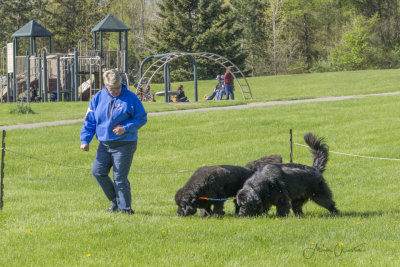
(113,208)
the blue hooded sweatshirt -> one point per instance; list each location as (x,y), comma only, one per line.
(106,112)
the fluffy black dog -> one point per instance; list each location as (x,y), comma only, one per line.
(217,182)
(288,185)
(261,162)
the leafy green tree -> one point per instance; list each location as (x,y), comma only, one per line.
(72,20)
(250,18)
(352,53)
(139,15)
(197,26)
(14,14)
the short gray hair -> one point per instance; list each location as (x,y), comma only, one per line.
(112,79)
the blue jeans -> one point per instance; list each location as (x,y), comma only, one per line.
(229,92)
(212,96)
(220,94)
(118,155)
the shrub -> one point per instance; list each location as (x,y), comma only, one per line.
(22,108)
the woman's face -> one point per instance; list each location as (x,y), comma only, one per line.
(114,91)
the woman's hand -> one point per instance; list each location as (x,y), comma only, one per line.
(119,130)
(85,147)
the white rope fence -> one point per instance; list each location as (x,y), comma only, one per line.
(354,155)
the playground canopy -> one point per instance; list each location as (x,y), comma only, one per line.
(32,29)
(110,24)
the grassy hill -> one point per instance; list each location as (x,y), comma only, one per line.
(54,212)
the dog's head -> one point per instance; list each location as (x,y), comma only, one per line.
(249,202)
(185,202)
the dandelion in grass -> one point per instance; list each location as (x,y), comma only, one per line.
(163,233)
(88,255)
(354,184)
(276,219)
(30,230)
(340,244)
(316,215)
(358,223)
(313,243)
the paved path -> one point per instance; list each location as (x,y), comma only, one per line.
(251,105)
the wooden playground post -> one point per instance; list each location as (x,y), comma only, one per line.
(3,154)
(28,75)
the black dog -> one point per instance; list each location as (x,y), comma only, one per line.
(261,162)
(280,184)
(216,182)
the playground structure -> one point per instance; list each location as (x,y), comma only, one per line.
(163,60)
(41,75)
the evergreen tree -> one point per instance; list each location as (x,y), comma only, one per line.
(197,26)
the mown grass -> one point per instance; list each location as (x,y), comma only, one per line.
(55,216)
(286,87)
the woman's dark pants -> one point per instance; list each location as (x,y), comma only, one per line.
(119,156)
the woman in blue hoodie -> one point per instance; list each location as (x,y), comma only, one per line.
(115,115)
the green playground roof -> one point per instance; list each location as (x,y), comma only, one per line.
(32,29)
(110,24)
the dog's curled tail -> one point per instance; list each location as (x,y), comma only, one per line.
(319,150)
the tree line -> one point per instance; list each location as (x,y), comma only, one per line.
(262,37)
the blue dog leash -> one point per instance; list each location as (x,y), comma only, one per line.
(216,199)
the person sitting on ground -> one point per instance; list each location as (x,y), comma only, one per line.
(34,96)
(221,92)
(218,88)
(181,95)
(53,96)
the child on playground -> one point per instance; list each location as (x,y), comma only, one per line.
(218,90)
(180,97)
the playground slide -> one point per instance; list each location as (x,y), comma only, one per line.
(84,89)
(3,87)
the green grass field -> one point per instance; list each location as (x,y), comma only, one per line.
(284,87)
(55,215)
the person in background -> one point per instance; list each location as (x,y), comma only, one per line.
(181,95)
(228,84)
(218,89)
(53,96)
(115,115)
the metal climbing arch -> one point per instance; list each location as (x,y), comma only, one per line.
(163,59)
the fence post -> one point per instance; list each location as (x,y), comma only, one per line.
(291,145)
(3,154)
